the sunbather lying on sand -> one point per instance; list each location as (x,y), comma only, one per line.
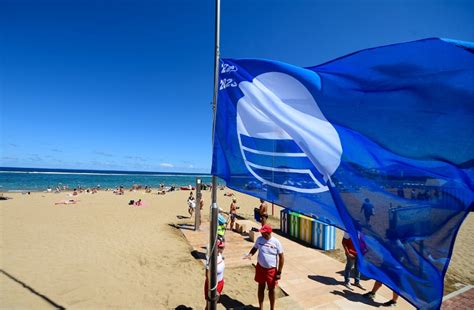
(4,198)
(138,203)
(66,202)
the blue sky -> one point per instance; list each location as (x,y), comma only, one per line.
(127,85)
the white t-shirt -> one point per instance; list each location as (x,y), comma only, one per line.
(268,251)
(220,267)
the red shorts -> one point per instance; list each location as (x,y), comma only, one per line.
(266,275)
(220,287)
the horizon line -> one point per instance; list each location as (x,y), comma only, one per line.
(105,170)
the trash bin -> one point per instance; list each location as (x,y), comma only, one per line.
(294,224)
(284,221)
(324,236)
(306,229)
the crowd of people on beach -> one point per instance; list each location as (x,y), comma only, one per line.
(120,190)
(270,258)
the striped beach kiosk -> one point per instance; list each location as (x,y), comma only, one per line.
(285,221)
(306,229)
(294,224)
(324,236)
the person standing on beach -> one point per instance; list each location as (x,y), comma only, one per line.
(221,226)
(371,295)
(233,212)
(263,210)
(220,273)
(369,210)
(191,204)
(351,262)
(270,263)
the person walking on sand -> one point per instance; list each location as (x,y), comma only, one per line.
(371,295)
(369,210)
(263,210)
(233,212)
(191,204)
(270,263)
(351,262)
(220,273)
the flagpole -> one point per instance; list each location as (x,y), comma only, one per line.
(214,209)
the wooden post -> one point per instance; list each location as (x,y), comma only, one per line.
(197,216)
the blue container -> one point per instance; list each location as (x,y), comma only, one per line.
(324,236)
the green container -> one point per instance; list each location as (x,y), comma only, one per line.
(295,224)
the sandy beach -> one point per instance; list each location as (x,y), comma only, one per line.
(102,253)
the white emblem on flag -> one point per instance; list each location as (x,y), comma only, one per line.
(285,140)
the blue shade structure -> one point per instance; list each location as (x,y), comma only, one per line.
(379,143)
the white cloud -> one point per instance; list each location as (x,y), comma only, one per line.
(166,165)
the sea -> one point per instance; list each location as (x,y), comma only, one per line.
(40,179)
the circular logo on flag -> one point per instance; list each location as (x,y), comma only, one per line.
(285,140)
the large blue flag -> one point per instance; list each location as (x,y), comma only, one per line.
(379,143)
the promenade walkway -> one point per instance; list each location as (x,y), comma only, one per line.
(462,299)
(311,279)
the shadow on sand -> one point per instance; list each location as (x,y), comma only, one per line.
(182,226)
(227,302)
(181,217)
(198,255)
(325,280)
(230,303)
(356,297)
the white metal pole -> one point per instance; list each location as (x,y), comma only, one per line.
(214,209)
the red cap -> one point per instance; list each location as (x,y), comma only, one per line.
(266,229)
(220,244)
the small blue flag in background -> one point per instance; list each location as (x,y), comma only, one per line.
(379,143)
